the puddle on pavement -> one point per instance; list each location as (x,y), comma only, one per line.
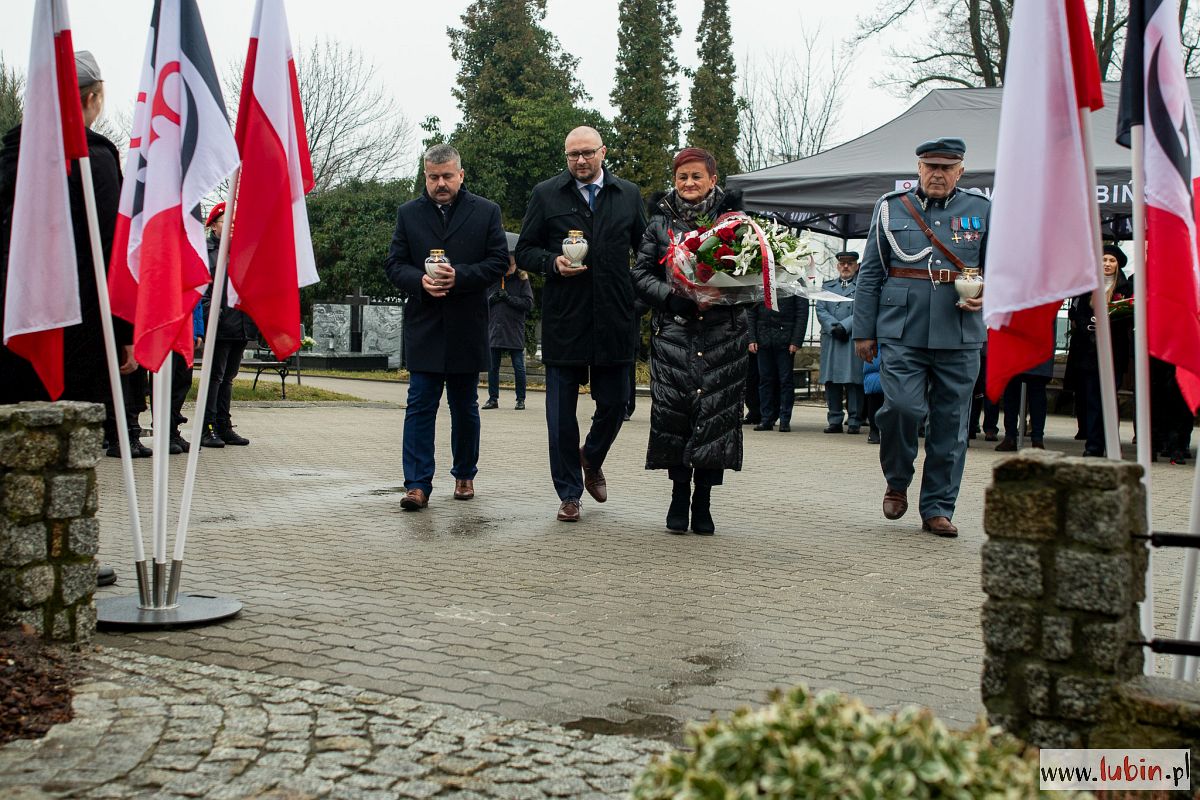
(651,726)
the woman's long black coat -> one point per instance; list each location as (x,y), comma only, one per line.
(697,364)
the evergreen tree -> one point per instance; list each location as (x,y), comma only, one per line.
(12,89)
(713,104)
(519,97)
(646,95)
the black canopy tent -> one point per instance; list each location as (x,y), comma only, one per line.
(835,190)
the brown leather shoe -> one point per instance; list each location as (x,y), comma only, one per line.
(569,511)
(942,526)
(895,503)
(593,480)
(414,500)
(464,490)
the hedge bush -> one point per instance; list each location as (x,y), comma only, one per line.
(827,745)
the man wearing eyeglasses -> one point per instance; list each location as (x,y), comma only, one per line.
(907,310)
(587,310)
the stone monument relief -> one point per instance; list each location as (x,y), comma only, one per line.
(331,327)
(383,331)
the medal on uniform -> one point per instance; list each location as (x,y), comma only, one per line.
(955,225)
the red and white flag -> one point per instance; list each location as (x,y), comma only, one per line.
(1154,93)
(270,249)
(1040,247)
(42,291)
(180,150)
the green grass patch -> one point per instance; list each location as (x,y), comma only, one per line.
(392,375)
(270,390)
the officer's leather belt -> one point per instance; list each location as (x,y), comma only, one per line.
(939,275)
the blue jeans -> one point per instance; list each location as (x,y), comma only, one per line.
(610,390)
(420,420)
(518,363)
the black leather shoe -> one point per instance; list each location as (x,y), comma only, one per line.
(873,437)
(765,426)
(785,427)
(832,429)
(229,436)
(749,420)
(136,450)
(210,438)
(105,576)
(854,429)
(490,404)
(520,406)
(1009,445)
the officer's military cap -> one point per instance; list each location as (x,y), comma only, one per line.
(847,254)
(947,150)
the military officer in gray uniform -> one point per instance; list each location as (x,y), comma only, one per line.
(841,368)
(908,311)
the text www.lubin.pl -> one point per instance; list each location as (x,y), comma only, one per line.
(1126,769)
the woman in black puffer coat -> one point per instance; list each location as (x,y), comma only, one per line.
(697,354)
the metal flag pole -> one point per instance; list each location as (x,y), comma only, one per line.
(1141,366)
(210,339)
(114,379)
(162,421)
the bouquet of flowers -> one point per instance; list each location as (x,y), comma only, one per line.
(737,260)
(307,343)
(1120,306)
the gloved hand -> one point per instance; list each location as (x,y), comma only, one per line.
(682,306)
(839,333)
(498,297)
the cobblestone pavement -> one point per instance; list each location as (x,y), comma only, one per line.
(609,625)
(153,727)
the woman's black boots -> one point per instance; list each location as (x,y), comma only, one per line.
(677,513)
(702,521)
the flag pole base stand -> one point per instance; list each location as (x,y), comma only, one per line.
(193,608)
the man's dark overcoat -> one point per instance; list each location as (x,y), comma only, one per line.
(586,319)
(448,334)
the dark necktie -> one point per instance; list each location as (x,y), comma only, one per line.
(591,192)
(445,213)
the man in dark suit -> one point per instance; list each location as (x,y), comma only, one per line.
(587,311)
(445,317)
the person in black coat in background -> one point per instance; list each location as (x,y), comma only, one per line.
(85,370)
(775,336)
(587,311)
(234,330)
(509,302)
(1083,367)
(697,354)
(445,318)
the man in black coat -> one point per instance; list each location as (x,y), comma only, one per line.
(587,311)
(775,336)
(445,317)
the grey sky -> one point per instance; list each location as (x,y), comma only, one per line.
(407,42)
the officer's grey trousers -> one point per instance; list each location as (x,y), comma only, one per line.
(916,380)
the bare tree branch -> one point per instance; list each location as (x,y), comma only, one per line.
(789,103)
(355,130)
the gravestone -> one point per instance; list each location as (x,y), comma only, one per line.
(383,332)
(331,327)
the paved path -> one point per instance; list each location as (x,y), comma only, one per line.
(152,727)
(606,626)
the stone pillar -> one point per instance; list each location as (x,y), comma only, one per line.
(48,531)
(1063,578)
